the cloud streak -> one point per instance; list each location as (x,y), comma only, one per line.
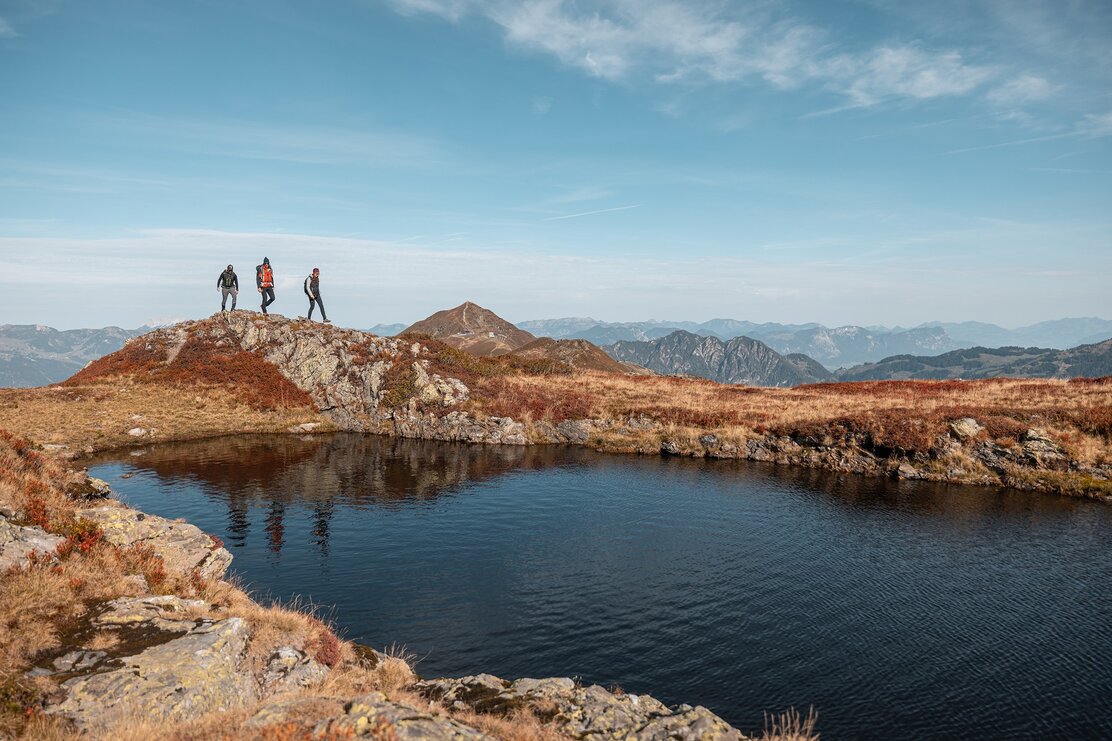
(592,213)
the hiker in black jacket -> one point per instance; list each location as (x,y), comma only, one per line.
(228,284)
(312,290)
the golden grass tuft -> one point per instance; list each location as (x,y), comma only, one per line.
(791,726)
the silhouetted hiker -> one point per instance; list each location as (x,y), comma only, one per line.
(264,279)
(312,290)
(228,285)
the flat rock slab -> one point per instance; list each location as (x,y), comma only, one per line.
(18,542)
(373,715)
(183,678)
(182,546)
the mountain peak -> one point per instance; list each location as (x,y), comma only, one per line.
(473,328)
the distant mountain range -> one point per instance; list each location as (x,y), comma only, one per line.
(34,355)
(739,360)
(725,350)
(981,362)
(840,347)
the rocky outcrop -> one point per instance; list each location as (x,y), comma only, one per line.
(18,542)
(183,547)
(373,715)
(580,712)
(192,668)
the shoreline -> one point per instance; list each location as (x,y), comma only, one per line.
(174,384)
(153,631)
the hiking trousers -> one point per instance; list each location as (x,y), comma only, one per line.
(268,298)
(225,292)
(317,302)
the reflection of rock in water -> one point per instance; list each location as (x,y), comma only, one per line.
(355,470)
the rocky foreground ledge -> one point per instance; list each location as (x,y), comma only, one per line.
(150,641)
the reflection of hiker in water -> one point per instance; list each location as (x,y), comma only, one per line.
(264,279)
(312,290)
(228,284)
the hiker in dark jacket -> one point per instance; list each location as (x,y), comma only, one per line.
(264,280)
(228,285)
(312,290)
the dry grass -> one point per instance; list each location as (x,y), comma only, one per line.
(898,415)
(791,726)
(100,416)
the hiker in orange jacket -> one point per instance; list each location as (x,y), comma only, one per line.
(264,279)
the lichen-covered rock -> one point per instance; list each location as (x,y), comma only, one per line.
(289,668)
(18,542)
(182,678)
(165,612)
(580,712)
(374,715)
(965,428)
(182,546)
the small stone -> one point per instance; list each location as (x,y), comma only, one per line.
(965,428)
(137,432)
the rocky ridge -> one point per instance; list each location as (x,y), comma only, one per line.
(399,386)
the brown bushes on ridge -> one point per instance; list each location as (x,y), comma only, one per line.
(200,362)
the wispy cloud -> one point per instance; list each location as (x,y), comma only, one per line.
(592,213)
(672,42)
(1022,89)
(6,30)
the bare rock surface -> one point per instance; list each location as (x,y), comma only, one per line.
(581,712)
(289,668)
(182,546)
(18,542)
(374,715)
(184,677)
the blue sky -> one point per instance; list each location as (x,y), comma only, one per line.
(842,161)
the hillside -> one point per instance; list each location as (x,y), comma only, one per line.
(34,355)
(1090,361)
(740,360)
(577,354)
(247,373)
(472,328)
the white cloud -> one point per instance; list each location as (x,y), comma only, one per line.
(6,30)
(905,72)
(700,41)
(1096,124)
(1022,89)
(542,105)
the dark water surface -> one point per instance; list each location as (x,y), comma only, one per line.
(897,609)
